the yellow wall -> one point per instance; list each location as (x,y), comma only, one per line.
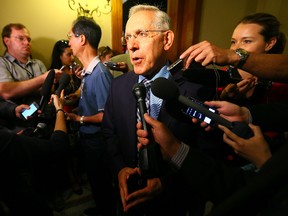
(47,21)
(50,20)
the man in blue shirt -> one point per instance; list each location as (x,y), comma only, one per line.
(84,39)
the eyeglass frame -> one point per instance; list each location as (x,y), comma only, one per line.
(22,38)
(69,35)
(128,38)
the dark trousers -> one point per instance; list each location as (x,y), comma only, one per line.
(98,172)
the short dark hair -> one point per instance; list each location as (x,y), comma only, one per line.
(89,28)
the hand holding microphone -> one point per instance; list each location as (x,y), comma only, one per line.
(149,155)
(167,90)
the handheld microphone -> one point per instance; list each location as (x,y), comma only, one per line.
(40,126)
(63,82)
(149,155)
(167,90)
(46,88)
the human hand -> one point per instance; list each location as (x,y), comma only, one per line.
(78,71)
(230,111)
(19,109)
(227,110)
(58,102)
(138,197)
(239,90)
(123,176)
(168,143)
(207,53)
(254,149)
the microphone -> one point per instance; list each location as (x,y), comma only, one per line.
(149,155)
(167,90)
(63,82)
(46,88)
(40,127)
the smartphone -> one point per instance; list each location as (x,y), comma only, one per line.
(196,114)
(29,112)
(110,64)
(175,66)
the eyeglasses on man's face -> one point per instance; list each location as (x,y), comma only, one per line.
(142,34)
(22,38)
(69,35)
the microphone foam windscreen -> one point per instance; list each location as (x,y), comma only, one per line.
(64,80)
(48,83)
(165,89)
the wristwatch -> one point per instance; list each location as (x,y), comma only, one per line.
(81,120)
(243,54)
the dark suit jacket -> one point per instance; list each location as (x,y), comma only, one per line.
(119,122)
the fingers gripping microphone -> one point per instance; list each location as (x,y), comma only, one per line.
(149,155)
(63,82)
(167,90)
(46,88)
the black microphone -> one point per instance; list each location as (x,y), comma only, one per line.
(40,127)
(167,90)
(149,155)
(46,88)
(63,82)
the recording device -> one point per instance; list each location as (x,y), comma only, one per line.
(46,89)
(110,64)
(73,66)
(149,155)
(175,66)
(29,112)
(63,82)
(40,126)
(190,111)
(167,90)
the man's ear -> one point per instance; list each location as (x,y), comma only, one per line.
(168,39)
(6,40)
(270,44)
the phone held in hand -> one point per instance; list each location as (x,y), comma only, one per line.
(175,66)
(198,115)
(110,64)
(30,112)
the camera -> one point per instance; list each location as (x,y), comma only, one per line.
(29,112)
(196,114)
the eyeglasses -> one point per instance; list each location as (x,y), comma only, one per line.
(142,34)
(22,38)
(69,35)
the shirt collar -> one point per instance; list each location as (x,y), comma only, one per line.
(13,59)
(91,66)
(162,73)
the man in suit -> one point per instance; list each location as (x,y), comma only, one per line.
(149,38)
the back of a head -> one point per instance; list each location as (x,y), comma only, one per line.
(270,28)
(88,27)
